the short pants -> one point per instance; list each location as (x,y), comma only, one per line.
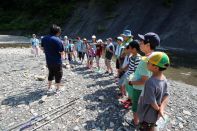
(135,98)
(107,62)
(55,71)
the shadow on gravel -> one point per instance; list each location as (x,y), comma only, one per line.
(102,83)
(110,113)
(24,98)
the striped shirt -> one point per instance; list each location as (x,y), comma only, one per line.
(133,63)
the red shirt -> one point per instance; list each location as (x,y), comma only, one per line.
(98,50)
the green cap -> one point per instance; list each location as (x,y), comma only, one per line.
(160,59)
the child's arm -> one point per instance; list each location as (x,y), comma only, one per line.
(125,68)
(139,82)
(155,106)
(163,105)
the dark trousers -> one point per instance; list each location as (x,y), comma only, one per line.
(55,71)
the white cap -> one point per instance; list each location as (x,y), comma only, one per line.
(120,38)
(100,41)
(65,37)
(93,37)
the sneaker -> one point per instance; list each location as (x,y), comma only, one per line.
(127,105)
(58,91)
(131,123)
(50,90)
(111,73)
(106,72)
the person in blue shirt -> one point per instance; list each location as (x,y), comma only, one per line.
(78,45)
(54,53)
(35,45)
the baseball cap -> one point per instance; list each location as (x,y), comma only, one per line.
(93,37)
(127,33)
(119,38)
(110,39)
(65,37)
(160,59)
(151,38)
(84,39)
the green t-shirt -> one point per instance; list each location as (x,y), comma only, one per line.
(141,70)
(125,43)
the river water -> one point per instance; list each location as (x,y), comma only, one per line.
(183,67)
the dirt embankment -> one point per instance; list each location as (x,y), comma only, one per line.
(176,25)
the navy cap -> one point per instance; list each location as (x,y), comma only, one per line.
(151,38)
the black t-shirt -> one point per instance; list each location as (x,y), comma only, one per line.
(108,54)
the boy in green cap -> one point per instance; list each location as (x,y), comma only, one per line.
(148,44)
(155,97)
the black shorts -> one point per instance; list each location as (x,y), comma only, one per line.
(55,71)
(81,55)
(117,64)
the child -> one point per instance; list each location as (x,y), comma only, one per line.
(155,97)
(119,49)
(109,52)
(98,53)
(35,45)
(66,44)
(91,54)
(134,59)
(71,49)
(148,43)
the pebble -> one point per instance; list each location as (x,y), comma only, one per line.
(76,128)
(101,98)
(187,112)
(180,125)
(24,88)
(112,124)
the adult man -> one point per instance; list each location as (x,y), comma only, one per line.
(54,52)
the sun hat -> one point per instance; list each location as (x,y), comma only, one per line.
(151,38)
(93,37)
(127,33)
(99,40)
(160,59)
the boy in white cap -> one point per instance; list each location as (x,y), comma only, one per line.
(99,50)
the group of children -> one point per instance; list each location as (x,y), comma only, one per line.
(140,77)
(142,82)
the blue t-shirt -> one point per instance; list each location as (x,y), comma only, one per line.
(34,42)
(52,47)
(79,45)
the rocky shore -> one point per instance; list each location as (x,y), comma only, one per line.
(24,101)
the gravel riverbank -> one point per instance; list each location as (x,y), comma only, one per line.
(24,97)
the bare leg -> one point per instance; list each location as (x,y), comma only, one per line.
(58,86)
(49,84)
(135,118)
